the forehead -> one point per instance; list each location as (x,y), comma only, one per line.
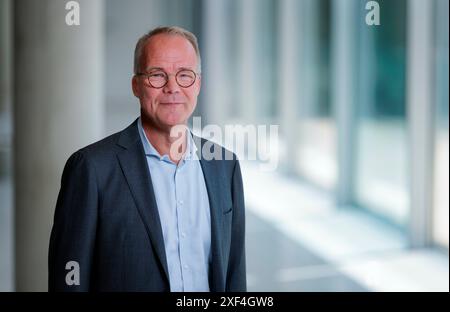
(168,51)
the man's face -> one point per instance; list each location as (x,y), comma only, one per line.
(170,105)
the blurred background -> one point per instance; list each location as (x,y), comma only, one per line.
(359,201)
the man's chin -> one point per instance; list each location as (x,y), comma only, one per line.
(170,123)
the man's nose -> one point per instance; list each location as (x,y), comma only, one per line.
(171,85)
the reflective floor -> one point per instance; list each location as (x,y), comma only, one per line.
(277,263)
(298,240)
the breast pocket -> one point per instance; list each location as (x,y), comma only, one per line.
(227,210)
(227,220)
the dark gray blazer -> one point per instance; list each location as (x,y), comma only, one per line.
(107,220)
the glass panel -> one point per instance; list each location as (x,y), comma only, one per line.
(317,131)
(441,168)
(381,168)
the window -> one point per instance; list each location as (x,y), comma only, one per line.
(441,152)
(316,152)
(381,162)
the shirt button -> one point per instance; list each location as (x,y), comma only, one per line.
(180,202)
(186,267)
(183,234)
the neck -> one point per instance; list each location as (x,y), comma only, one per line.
(164,143)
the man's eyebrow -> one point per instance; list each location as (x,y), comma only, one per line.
(154,68)
(160,68)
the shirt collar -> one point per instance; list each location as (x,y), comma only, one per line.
(150,150)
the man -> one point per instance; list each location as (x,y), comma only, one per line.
(135,213)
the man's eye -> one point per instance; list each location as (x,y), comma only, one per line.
(157,75)
(186,76)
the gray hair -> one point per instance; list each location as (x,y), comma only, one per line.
(170,30)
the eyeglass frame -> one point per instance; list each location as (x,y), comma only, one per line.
(167,77)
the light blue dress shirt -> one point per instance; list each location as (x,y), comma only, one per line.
(184,213)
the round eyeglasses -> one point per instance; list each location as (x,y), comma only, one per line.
(159,78)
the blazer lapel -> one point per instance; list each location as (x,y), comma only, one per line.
(211,174)
(135,168)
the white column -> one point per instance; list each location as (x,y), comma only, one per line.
(290,72)
(420,117)
(6,209)
(441,155)
(310,76)
(343,35)
(248,60)
(215,88)
(5,82)
(5,59)
(58,108)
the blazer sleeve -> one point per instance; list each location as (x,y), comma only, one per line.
(72,238)
(236,273)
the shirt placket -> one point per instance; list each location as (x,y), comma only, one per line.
(182,227)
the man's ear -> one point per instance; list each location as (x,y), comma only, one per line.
(135,86)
